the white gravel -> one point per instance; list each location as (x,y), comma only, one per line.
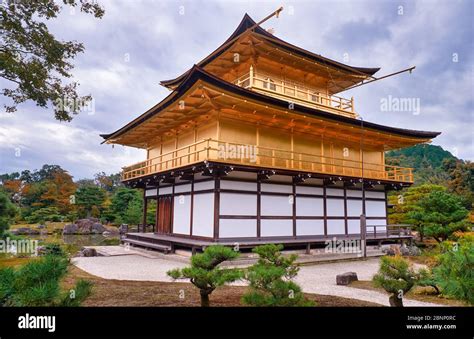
(320,278)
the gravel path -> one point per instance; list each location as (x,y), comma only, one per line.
(320,279)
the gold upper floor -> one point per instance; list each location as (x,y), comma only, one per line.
(296,92)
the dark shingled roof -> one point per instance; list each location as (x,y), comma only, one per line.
(197,73)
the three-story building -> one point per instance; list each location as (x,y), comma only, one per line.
(255,144)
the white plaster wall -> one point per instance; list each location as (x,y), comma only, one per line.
(307,207)
(205,185)
(353,193)
(353,226)
(373,194)
(166,190)
(335,191)
(276,188)
(309,190)
(375,208)
(275,228)
(203,215)
(276,205)
(354,208)
(335,207)
(182,188)
(336,226)
(239,185)
(238,204)
(182,215)
(309,227)
(151,192)
(236,228)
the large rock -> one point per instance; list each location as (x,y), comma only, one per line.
(409,250)
(346,278)
(88,252)
(26,231)
(70,229)
(98,228)
(111,231)
(123,228)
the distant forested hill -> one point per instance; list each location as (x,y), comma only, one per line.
(427,160)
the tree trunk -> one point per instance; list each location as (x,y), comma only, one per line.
(204,298)
(395,301)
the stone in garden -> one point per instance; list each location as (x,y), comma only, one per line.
(111,231)
(84,226)
(410,250)
(346,278)
(123,228)
(97,228)
(23,230)
(414,250)
(404,250)
(88,252)
(392,250)
(70,229)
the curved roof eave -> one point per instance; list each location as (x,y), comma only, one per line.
(246,23)
(197,73)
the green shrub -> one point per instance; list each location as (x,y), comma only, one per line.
(271,279)
(44,214)
(7,213)
(454,273)
(441,215)
(396,277)
(205,273)
(75,296)
(36,283)
(53,249)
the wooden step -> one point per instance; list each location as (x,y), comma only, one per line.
(161,247)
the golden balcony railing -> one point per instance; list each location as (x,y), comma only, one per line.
(296,92)
(265,157)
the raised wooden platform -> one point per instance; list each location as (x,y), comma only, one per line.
(167,243)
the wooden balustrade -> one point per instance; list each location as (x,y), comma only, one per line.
(252,155)
(296,92)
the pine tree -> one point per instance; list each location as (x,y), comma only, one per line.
(205,273)
(271,279)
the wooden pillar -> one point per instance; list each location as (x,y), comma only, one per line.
(192,207)
(294,207)
(259,204)
(145,206)
(157,212)
(217,181)
(325,210)
(363,235)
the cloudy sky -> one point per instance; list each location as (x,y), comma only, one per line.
(139,43)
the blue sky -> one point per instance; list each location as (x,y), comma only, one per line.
(139,43)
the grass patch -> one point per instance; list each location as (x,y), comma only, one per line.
(107,292)
(425,294)
(51,227)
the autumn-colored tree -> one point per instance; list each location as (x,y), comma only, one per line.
(59,192)
(461,180)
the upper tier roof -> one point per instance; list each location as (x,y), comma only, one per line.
(197,73)
(247,23)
